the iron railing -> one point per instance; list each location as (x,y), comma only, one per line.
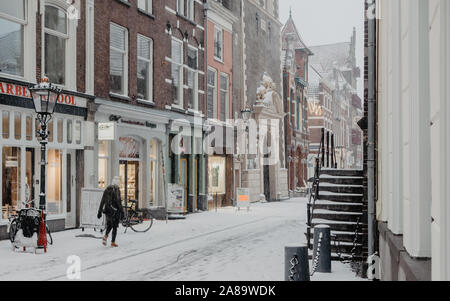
(326,151)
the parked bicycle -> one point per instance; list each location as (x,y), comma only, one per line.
(28,220)
(137,219)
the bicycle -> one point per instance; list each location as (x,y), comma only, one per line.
(15,223)
(138,220)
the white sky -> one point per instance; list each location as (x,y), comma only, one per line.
(328,21)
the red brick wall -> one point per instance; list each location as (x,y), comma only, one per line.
(155,28)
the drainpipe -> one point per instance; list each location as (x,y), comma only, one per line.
(206,7)
(371,130)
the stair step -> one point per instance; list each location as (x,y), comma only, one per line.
(338,225)
(343,189)
(342,180)
(343,236)
(341,197)
(337,216)
(341,207)
(342,172)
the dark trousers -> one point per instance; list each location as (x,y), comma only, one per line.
(110,225)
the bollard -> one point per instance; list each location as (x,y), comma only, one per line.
(322,262)
(296,263)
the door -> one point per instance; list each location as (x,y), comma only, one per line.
(30,196)
(129,181)
(183,180)
(70,190)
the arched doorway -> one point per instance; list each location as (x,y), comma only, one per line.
(129,168)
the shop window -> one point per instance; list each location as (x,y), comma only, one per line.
(69,131)
(129,148)
(103,156)
(56,36)
(10,181)
(118,73)
(78,132)
(17,125)
(50,131)
(12,22)
(154,148)
(29,128)
(216,174)
(60,130)
(145,68)
(5,124)
(54,182)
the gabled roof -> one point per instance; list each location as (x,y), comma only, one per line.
(290,29)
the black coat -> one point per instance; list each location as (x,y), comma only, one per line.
(111,205)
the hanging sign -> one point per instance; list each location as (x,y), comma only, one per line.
(106,131)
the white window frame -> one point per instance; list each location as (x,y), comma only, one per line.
(217,29)
(125,58)
(148,6)
(149,96)
(29,41)
(227,98)
(215,110)
(195,71)
(186,9)
(180,95)
(71,42)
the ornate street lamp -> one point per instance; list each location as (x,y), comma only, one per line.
(45,98)
(246,113)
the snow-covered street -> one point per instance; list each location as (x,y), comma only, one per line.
(216,246)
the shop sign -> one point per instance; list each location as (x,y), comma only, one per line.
(243,197)
(106,131)
(175,199)
(22,91)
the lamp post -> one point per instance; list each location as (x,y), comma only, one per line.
(45,98)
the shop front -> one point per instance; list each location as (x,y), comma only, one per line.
(20,155)
(132,146)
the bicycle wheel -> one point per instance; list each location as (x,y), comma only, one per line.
(13,228)
(49,234)
(140,224)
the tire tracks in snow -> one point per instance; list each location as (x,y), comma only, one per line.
(164,246)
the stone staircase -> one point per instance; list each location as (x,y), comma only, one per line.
(340,205)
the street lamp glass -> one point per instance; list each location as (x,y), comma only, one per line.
(45,97)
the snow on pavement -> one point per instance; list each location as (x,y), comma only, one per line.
(227,245)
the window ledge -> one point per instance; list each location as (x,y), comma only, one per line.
(119,96)
(186,19)
(147,102)
(178,108)
(124,2)
(146,13)
(218,60)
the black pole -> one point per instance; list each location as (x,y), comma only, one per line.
(332,150)
(323,147)
(328,149)
(44,135)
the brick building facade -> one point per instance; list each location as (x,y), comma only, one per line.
(295,90)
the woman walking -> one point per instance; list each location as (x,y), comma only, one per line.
(111,206)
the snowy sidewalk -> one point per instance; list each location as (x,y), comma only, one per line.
(227,245)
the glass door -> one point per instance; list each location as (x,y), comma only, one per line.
(129,181)
(30,197)
(70,190)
